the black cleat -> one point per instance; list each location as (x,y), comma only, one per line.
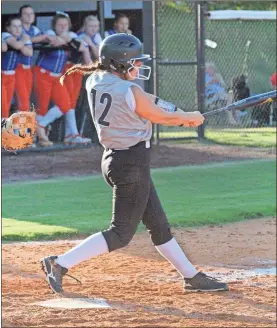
(203,283)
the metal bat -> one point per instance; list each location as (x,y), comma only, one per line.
(247,102)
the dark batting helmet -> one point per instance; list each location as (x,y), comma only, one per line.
(119,52)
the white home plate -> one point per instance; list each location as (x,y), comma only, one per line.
(75,303)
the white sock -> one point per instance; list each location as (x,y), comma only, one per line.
(51,116)
(92,246)
(70,123)
(174,254)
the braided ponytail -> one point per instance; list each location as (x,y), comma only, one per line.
(82,69)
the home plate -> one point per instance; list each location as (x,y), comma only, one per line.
(75,303)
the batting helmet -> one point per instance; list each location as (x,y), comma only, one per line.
(120,52)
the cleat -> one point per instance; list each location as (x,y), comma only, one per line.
(54,273)
(203,283)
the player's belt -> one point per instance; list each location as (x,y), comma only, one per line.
(142,144)
(50,73)
(8,72)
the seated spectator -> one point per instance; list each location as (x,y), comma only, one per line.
(215,92)
(18,44)
(47,72)
(121,25)
(90,34)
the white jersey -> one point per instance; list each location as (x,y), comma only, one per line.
(112,107)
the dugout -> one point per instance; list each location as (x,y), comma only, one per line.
(77,11)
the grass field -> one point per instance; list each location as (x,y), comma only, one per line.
(250,137)
(191,196)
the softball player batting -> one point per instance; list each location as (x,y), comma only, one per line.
(123,115)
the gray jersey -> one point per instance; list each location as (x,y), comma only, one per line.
(117,124)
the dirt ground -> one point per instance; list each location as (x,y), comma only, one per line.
(143,289)
(29,166)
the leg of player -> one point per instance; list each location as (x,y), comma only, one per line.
(43,84)
(131,187)
(62,99)
(8,84)
(157,224)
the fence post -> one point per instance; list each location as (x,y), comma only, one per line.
(100,11)
(149,47)
(200,54)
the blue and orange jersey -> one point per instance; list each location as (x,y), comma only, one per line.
(33,31)
(54,61)
(10,58)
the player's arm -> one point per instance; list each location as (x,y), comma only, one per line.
(147,109)
(17,45)
(27,50)
(42,38)
(92,47)
(165,105)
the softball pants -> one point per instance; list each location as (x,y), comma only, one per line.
(134,197)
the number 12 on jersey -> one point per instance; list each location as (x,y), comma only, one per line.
(104,97)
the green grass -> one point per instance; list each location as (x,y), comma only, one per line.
(262,137)
(191,196)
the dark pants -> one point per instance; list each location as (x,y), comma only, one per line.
(134,197)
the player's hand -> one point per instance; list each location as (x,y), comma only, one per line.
(194,119)
(25,38)
(66,37)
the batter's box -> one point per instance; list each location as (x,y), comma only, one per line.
(75,303)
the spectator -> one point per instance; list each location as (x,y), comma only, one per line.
(121,25)
(90,34)
(49,68)
(215,92)
(19,43)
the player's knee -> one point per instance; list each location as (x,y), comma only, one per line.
(117,239)
(161,234)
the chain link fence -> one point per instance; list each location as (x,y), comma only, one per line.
(240,58)
(176,60)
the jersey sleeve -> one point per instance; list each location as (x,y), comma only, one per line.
(5,36)
(37,31)
(98,39)
(50,32)
(28,43)
(130,100)
(73,35)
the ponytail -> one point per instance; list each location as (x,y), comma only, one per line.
(82,69)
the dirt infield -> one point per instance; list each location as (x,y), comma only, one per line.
(142,288)
(29,166)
